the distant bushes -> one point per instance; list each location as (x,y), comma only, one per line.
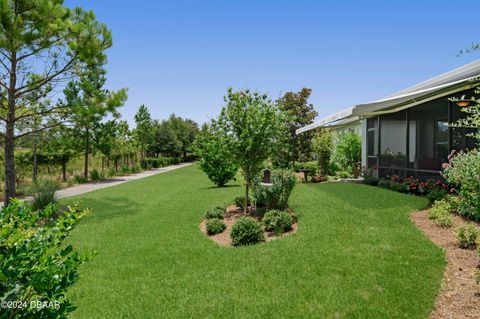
(157,162)
(43,193)
(434,189)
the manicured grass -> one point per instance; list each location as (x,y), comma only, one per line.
(356,255)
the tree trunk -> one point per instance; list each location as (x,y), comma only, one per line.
(85,167)
(247,184)
(64,171)
(35,160)
(142,155)
(10,134)
(103,163)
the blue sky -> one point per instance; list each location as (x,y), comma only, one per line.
(180,56)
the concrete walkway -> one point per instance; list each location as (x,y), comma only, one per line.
(90,187)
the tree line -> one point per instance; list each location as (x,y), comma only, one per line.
(53,98)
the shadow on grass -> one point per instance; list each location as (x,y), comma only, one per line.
(223,187)
(367,197)
(106,209)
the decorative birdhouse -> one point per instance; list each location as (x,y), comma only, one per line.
(266,177)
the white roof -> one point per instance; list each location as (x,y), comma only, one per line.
(456,78)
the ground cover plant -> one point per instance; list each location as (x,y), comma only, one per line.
(351,256)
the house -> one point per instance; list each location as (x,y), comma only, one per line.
(408,133)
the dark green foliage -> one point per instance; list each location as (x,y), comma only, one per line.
(96,175)
(43,193)
(467,235)
(80,179)
(125,169)
(299,113)
(135,169)
(384,183)
(398,187)
(277,221)
(274,196)
(215,226)
(217,212)
(246,231)
(239,201)
(436,194)
(34,265)
(154,162)
(369,178)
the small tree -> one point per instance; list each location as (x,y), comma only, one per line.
(299,113)
(215,159)
(41,44)
(349,150)
(89,103)
(250,124)
(143,131)
(323,147)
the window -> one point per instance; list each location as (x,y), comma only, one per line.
(428,135)
(393,140)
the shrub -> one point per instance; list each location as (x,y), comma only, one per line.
(274,196)
(436,194)
(441,212)
(96,175)
(217,212)
(111,172)
(349,151)
(467,235)
(384,183)
(246,231)
(240,202)
(399,187)
(369,178)
(43,193)
(135,169)
(322,145)
(311,167)
(125,169)
(35,264)
(215,226)
(462,171)
(215,159)
(278,221)
(80,179)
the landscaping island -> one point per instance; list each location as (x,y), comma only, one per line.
(351,256)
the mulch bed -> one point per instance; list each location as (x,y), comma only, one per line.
(460,293)
(233,213)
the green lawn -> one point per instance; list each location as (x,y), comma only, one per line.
(356,255)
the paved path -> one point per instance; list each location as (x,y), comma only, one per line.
(90,187)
